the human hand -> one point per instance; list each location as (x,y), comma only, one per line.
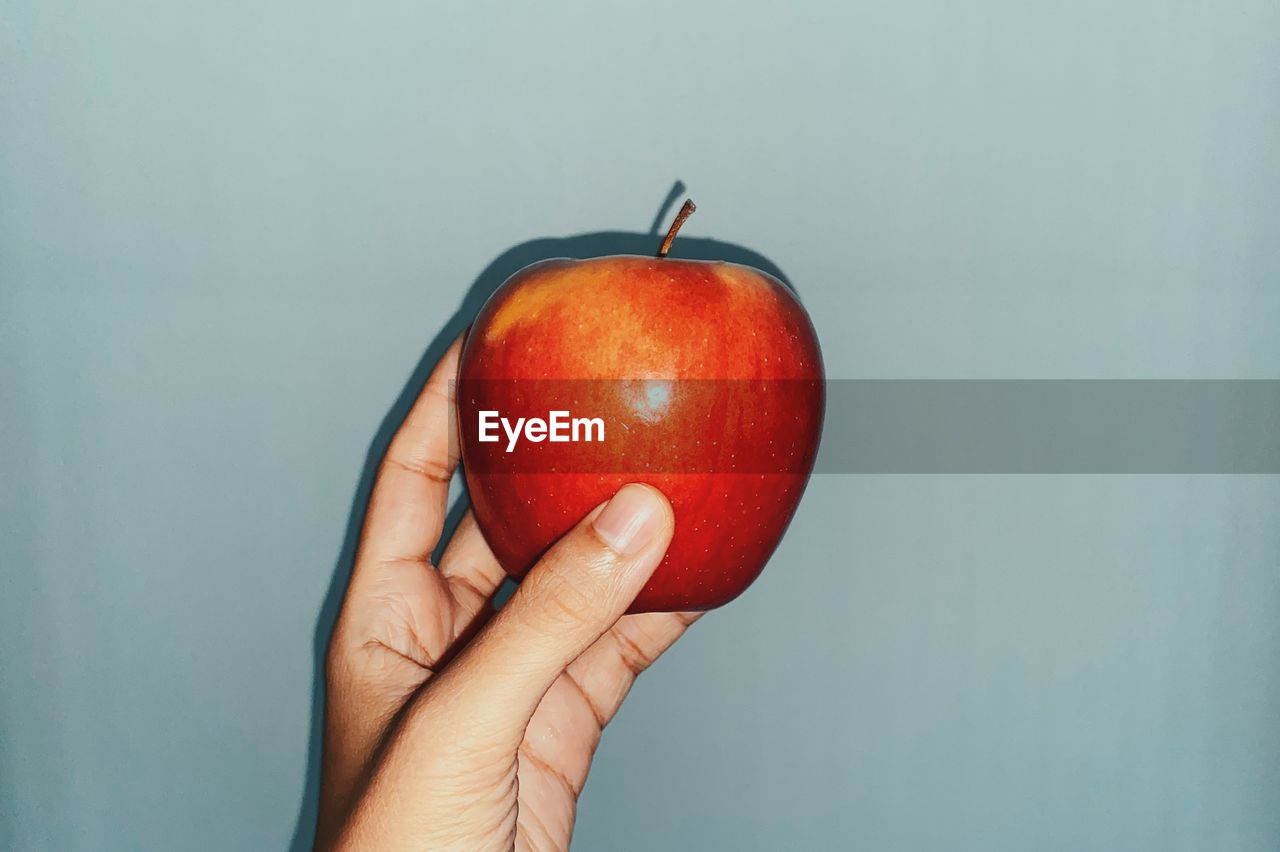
(446,728)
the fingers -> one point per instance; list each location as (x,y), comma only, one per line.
(572,597)
(470,569)
(605,672)
(564,732)
(409,499)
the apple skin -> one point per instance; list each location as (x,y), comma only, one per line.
(733,456)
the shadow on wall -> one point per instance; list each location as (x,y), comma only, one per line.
(597,244)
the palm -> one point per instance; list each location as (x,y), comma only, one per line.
(426,615)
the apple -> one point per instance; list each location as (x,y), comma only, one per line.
(705,379)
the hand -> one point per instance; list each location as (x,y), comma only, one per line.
(448,726)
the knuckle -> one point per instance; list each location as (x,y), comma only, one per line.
(420,464)
(567,602)
(572,598)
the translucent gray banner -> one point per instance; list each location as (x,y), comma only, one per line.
(876,426)
(1048,426)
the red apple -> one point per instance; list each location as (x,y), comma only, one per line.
(706,379)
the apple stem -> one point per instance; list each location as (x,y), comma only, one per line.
(686,210)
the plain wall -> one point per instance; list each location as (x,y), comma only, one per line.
(228,233)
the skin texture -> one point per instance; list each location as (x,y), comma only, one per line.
(709,379)
(450,727)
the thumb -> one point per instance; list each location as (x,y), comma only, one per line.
(575,593)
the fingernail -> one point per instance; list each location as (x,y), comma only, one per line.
(630,520)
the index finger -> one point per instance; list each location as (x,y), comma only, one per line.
(410,495)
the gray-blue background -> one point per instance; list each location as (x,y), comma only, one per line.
(228,235)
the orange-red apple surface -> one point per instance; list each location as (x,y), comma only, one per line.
(706,379)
